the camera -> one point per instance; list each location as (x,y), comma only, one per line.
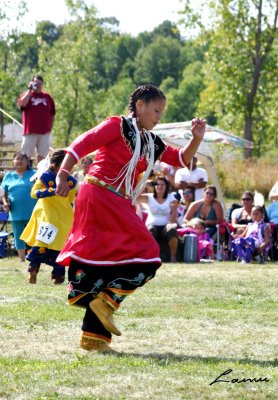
(153,183)
(34,86)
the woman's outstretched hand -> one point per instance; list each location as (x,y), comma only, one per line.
(198,127)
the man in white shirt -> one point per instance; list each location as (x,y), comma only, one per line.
(196,179)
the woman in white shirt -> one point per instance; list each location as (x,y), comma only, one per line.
(162,215)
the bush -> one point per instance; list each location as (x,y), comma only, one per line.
(237,175)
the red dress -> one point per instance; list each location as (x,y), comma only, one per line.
(106,230)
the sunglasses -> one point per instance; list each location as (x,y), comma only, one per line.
(187,192)
(246,199)
(210,193)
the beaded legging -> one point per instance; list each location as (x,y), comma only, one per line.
(115,282)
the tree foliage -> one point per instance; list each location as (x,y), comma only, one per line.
(241,65)
(227,73)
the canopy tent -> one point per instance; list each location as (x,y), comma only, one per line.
(179,133)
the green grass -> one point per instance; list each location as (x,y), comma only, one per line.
(180,332)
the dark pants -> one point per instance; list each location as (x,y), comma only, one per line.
(42,255)
(162,233)
(116,282)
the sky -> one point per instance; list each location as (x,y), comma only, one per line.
(134,16)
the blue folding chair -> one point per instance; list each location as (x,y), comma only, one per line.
(5,246)
(4,220)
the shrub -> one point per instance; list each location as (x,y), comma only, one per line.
(237,175)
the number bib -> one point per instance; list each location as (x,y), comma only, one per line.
(47,233)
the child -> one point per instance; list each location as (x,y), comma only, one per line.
(50,222)
(255,237)
(205,250)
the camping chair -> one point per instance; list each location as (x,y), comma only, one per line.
(5,246)
(3,220)
(220,245)
(274,249)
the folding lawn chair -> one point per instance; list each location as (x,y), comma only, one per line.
(3,220)
(5,246)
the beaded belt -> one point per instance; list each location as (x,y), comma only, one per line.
(98,182)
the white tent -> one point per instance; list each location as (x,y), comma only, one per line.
(179,133)
(12,132)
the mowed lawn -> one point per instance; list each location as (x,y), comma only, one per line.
(181,331)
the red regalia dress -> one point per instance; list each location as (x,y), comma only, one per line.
(106,230)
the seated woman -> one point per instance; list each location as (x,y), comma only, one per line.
(162,215)
(255,238)
(209,210)
(241,216)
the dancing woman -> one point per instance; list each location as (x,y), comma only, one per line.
(109,251)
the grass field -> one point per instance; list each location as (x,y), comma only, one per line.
(181,331)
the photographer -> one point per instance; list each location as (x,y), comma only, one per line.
(38,110)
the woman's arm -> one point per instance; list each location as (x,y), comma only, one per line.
(5,201)
(234,221)
(173,212)
(198,130)
(167,174)
(181,157)
(63,188)
(143,198)
(39,190)
(193,207)
(243,234)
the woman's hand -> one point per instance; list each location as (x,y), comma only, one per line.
(234,235)
(198,127)
(62,186)
(6,207)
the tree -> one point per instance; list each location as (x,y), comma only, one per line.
(48,32)
(8,58)
(157,61)
(241,64)
(80,67)
(115,99)
(182,101)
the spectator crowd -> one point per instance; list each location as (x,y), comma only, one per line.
(175,201)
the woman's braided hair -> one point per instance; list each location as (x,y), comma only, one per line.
(56,158)
(146,93)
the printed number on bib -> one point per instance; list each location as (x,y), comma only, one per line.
(47,233)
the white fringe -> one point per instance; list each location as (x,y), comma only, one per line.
(127,173)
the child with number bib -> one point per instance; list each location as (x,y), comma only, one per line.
(50,222)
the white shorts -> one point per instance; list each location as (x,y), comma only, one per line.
(40,142)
